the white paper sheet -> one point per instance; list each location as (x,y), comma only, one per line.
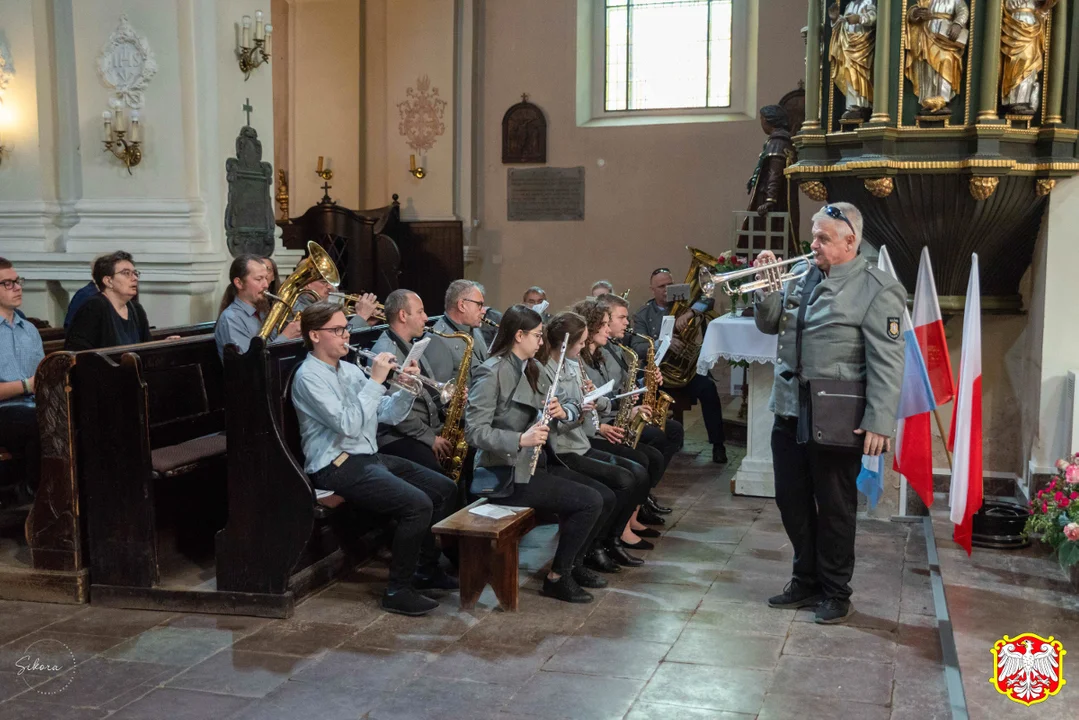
(666,331)
(319,494)
(631,393)
(416,352)
(598,392)
(540,307)
(495,512)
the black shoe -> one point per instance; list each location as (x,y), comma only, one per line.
(617,551)
(639,545)
(600,561)
(833,611)
(795,595)
(407,601)
(648,533)
(435,579)
(565,589)
(655,507)
(719,454)
(587,578)
(647,517)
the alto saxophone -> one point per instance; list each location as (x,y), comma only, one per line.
(453,428)
(659,401)
(622,420)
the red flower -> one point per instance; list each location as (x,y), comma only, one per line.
(1045,508)
(1058,497)
(1074,496)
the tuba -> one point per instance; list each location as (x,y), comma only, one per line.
(680,364)
(316,266)
(453,428)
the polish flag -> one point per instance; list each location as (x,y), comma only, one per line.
(929,328)
(965,498)
(913,441)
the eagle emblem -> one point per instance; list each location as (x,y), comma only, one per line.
(1028,668)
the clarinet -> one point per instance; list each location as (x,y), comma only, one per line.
(545,417)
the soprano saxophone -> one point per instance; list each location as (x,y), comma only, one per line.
(453,428)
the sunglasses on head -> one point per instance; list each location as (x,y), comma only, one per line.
(836,214)
(657,271)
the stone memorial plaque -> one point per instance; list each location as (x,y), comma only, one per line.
(545,194)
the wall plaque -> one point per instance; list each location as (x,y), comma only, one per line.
(524,134)
(249,223)
(126,63)
(545,194)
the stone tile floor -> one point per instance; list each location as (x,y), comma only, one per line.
(686,636)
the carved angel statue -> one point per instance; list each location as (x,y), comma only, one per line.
(851,54)
(1028,673)
(936,37)
(1022,43)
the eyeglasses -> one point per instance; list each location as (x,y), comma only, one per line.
(12,284)
(535,333)
(478,302)
(836,214)
(340,330)
(129,273)
(657,271)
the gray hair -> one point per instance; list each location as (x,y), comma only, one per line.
(457,290)
(605,284)
(853,214)
(396,302)
(536,289)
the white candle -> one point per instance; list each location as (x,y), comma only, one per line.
(269,33)
(133,136)
(118,120)
(258,24)
(107,117)
(246,41)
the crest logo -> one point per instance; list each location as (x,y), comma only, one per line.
(893,328)
(1028,668)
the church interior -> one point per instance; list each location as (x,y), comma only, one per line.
(285,426)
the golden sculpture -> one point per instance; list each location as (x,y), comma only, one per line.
(1022,43)
(1045,186)
(282,195)
(815,190)
(936,37)
(851,54)
(879,187)
(981,187)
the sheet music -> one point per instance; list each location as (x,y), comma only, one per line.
(416,352)
(540,307)
(631,393)
(598,392)
(666,331)
(495,512)
(319,494)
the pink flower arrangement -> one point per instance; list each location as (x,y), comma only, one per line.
(1071,475)
(1071,531)
(1054,518)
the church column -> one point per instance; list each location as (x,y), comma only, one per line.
(68,159)
(1058,49)
(882,63)
(990,70)
(813,64)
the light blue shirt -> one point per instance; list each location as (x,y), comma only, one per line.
(20,352)
(339,410)
(239,322)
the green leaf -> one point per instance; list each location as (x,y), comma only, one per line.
(1068,554)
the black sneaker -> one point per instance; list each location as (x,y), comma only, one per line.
(646,517)
(795,596)
(588,579)
(833,611)
(719,454)
(435,579)
(565,589)
(407,601)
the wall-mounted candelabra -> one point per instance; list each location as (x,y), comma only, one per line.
(123,135)
(252,55)
(417,172)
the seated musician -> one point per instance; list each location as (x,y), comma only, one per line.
(274,277)
(603,363)
(113,316)
(364,309)
(463,314)
(647,321)
(339,410)
(416,437)
(570,441)
(504,401)
(21,351)
(243,306)
(601,287)
(535,297)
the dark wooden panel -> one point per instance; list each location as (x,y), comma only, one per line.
(432,256)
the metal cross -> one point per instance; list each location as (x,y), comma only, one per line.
(248,109)
(524,97)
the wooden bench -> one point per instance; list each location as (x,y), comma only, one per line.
(488,551)
(53,338)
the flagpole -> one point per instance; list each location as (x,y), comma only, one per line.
(943,437)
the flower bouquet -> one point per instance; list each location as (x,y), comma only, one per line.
(1055,518)
(728,262)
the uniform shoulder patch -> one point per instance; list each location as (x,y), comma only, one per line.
(893,328)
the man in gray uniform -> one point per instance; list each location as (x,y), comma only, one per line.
(848,331)
(463,314)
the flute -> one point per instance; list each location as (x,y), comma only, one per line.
(546,415)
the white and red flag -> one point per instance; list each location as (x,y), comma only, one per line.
(965,498)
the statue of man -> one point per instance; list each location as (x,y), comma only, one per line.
(1022,43)
(851,54)
(936,37)
(768,187)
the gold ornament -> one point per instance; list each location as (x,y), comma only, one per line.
(815,190)
(879,187)
(1045,186)
(982,187)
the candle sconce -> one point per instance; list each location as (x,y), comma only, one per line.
(121,138)
(417,172)
(253,55)
(326,174)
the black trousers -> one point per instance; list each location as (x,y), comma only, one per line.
(607,508)
(19,434)
(415,450)
(573,498)
(818,502)
(647,456)
(409,493)
(668,441)
(704,389)
(627,480)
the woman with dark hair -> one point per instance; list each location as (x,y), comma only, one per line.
(570,441)
(113,316)
(500,422)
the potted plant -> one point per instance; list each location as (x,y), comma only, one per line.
(1055,516)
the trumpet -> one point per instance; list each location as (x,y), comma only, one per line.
(351,300)
(414,383)
(772,279)
(291,313)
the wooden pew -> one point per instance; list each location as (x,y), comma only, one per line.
(53,338)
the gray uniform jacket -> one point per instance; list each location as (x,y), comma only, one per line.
(852,332)
(613,368)
(501,406)
(445,354)
(571,435)
(647,321)
(425,419)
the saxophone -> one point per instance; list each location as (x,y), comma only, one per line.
(659,401)
(453,428)
(622,420)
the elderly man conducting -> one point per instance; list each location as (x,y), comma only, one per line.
(838,372)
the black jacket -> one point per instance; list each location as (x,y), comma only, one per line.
(94,325)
